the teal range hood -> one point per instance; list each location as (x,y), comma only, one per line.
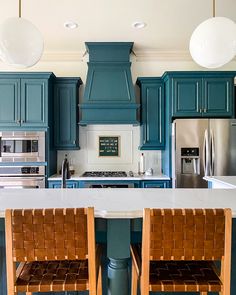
(109,92)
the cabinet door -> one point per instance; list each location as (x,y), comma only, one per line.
(66,121)
(10,102)
(155,184)
(217,97)
(34,102)
(57,184)
(153,124)
(186,97)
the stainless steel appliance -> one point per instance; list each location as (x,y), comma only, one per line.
(97,183)
(22,159)
(22,146)
(22,176)
(202,147)
(104,174)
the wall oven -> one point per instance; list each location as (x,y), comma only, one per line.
(22,159)
(22,176)
(22,146)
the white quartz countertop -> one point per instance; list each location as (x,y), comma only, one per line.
(117,203)
(226,180)
(135,177)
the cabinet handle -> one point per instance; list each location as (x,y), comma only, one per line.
(17,121)
(22,121)
(200,110)
(205,110)
(73,141)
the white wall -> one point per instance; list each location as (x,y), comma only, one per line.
(87,157)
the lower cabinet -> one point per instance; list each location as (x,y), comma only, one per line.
(155,184)
(57,184)
(111,183)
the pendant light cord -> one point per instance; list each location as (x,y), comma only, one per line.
(19,8)
(214,8)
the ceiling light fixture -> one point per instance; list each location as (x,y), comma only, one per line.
(71,25)
(139,25)
(213,42)
(21,43)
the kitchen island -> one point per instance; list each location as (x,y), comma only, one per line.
(221,181)
(119,207)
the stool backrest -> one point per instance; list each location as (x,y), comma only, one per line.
(50,234)
(184,234)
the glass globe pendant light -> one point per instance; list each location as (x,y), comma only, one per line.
(213,42)
(21,43)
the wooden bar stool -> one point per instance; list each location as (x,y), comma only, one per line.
(179,247)
(56,250)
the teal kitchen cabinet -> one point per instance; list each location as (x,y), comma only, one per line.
(9,100)
(155,184)
(152,114)
(66,99)
(24,99)
(201,94)
(57,184)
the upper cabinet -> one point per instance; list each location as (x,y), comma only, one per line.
(152,114)
(24,99)
(66,100)
(201,94)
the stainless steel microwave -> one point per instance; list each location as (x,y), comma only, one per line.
(22,146)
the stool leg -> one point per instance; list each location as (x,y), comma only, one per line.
(203,293)
(29,293)
(134,281)
(99,286)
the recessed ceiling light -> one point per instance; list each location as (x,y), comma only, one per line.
(139,25)
(70,25)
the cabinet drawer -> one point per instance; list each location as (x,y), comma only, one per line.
(156,184)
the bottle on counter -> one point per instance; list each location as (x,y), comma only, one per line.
(142,164)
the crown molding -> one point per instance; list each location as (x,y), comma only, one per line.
(139,56)
(159,55)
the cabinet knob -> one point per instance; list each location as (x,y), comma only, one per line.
(22,121)
(74,142)
(18,121)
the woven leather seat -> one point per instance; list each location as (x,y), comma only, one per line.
(56,250)
(178,251)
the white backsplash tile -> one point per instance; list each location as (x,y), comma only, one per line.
(87,158)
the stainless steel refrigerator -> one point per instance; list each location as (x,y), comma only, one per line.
(202,147)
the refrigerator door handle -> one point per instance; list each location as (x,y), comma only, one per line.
(212,149)
(205,153)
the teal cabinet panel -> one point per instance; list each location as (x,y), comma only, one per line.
(200,94)
(9,100)
(155,184)
(217,97)
(34,102)
(152,114)
(186,97)
(66,99)
(25,100)
(57,184)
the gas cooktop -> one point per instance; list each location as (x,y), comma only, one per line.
(104,174)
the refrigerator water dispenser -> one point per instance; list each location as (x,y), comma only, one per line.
(190,161)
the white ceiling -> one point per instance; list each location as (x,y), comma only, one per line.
(169,22)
